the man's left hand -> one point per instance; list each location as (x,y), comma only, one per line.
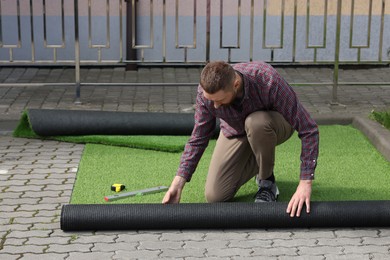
(300,197)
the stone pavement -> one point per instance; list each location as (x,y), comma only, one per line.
(37,177)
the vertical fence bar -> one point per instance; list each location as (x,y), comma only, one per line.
(77,51)
(381,30)
(208,27)
(252,30)
(164,36)
(294,48)
(32,32)
(120,31)
(131,53)
(336,55)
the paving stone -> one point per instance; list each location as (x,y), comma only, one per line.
(15,228)
(54,248)
(378,256)
(366,249)
(152,245)
(225,235)
(339,241)
(40,194)
(357,233)
(33,220)
(320,250)
(46,240)
(109,239)
(187,235)
(184,253)
(5,208)
(45,256)
(140,237)
(384,232)
(281,251)
(314,234)
(15,241)
(26,188)
(45,226)
(13,199)
(37,207)
(23,249)
(348,257)
(293,242)
(28,234)
(13,183)
(311,257)
(211,244)
(89,256)
(109,247)
(228,252)
(265,235)
(5,256)
(139,254)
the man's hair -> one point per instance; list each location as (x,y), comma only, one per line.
(217,75)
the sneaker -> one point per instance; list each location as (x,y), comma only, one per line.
(268,191)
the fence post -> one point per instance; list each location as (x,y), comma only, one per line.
(208,18)
(77,51)
(337,55)
(131,54)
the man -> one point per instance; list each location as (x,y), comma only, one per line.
(258,110)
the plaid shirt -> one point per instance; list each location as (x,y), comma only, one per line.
(264,90)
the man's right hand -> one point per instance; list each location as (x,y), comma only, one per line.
(174,192)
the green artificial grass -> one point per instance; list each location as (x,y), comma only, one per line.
(349,168)
(382,117)
(159,143)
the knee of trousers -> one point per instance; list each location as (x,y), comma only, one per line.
(214,195)
(258,122)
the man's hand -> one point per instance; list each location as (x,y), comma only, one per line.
(174,193)
(300,197)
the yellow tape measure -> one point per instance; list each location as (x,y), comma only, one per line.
(117,187)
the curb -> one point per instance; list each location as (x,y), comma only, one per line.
(378,135)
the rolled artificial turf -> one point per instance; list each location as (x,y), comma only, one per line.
(222,215)
(150,142)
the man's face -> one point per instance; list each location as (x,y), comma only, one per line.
(221,97)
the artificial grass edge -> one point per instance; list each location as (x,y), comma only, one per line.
(24,128)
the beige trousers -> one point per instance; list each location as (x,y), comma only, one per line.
(236,160)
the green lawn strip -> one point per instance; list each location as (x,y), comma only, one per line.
(349,168)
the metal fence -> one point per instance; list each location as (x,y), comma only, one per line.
(187,32)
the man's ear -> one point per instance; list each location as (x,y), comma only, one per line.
(236,84)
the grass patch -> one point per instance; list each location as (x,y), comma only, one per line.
(349,168)
(382,117)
